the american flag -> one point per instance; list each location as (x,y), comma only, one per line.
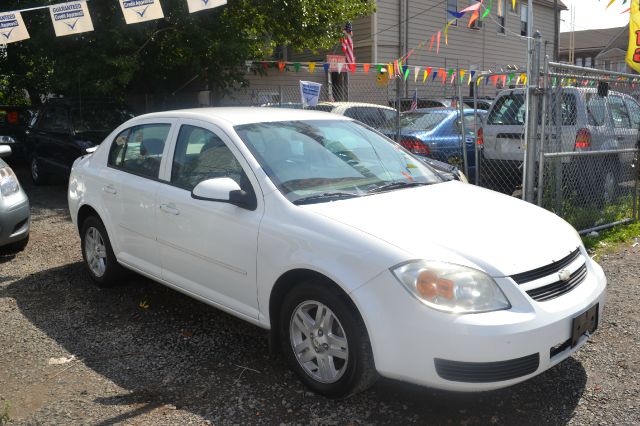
(414,101)
(347,44)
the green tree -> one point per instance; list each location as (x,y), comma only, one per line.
(162,55)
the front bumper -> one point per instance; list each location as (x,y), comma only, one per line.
(14,218)
(409,339)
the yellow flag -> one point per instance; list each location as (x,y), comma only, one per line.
(513,3)
(312,67)
(633,51)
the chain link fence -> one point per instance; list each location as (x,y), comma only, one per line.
(588,146)
(585,134)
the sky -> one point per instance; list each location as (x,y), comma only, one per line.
(592,14)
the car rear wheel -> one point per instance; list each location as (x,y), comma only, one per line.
(38,175)
(325,342)
(98,255)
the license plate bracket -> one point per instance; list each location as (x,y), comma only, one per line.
(586,322)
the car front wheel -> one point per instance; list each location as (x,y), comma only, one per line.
(325,341)
(97,253)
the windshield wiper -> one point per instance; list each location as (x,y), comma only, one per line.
(396,185)
(325,196)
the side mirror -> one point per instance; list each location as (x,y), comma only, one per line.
(224,190)
(5,151)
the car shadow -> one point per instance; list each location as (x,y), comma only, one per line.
(166,349)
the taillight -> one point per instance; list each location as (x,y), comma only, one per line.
(583,139)
(480,136)
(12,117)
(415,145)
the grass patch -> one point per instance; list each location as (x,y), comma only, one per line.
(610,239)
(4,414)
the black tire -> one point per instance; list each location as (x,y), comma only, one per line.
(610,182)
(14,248)
(113,271)
(358,371)
(38,173)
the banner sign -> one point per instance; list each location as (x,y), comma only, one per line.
(336,62)
(12,28)
(633,51)
(71,18)
(135,11)
(198,5)
(309,93)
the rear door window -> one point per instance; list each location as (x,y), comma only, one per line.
(634,112)
(596,110)
(138,150)
(619,112)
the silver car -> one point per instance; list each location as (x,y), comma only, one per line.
(14,209)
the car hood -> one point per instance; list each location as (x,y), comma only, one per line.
(497,233)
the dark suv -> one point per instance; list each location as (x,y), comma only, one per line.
(64,129)
(14,120)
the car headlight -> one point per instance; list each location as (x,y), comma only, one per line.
(7,139)
(8,182)
(451,288)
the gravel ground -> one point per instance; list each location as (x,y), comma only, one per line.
(179,361)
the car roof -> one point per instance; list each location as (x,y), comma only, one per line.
(447,110)
(236,116)
(354,104)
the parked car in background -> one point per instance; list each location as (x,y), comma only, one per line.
(370,114)
(64,129)
(304,223)
(14,120)
(14,209)
(589,122)
(437,133)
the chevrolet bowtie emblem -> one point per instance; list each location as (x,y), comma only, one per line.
(564,274)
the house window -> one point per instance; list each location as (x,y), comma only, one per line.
(452,5)
(524,20)
(587,62)
(502,8)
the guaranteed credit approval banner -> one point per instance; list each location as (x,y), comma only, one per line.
(71,18)
(198,5)
(633,52)
(12,28)
(135,11)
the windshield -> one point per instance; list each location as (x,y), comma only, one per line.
(419,120)
(98,118)
(324,159)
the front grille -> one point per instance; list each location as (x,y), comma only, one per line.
(557,289)
(547,270)
(487,372)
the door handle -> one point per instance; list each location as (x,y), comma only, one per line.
(170,208)
(109,189)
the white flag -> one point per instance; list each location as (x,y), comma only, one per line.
(12,28)
(71,18)
(141,10)
(198,5)
(309,93)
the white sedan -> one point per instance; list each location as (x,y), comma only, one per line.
(358,257)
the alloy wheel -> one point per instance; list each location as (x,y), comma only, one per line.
(95,252)
(319,341)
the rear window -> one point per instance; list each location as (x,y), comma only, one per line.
(325,108)
(98,118)
(508,110)
(420,120)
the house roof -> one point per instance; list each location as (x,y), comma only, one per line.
(595,40)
